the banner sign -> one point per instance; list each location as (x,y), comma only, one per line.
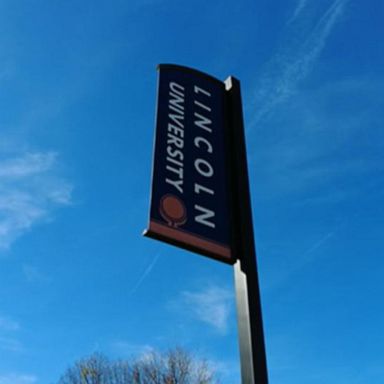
(190,200)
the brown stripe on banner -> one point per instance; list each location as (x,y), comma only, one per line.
(187,238)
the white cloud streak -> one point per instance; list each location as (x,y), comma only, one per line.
(318,244)
(307,157)
(8,343)
(17,378)
(146,272)
(29,164)
(299,8)
(227,371)
(125,349)
(211,306)
(11,345)
(29,190)
(33,274)
(292,64)
(7,324)
(300,261)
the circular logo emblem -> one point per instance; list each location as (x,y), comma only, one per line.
(173,211)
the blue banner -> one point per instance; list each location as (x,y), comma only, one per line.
(190,186)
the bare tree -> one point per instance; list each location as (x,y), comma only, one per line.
(175,366)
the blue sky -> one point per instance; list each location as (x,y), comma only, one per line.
(77,102)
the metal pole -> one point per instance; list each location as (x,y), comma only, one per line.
(250,325)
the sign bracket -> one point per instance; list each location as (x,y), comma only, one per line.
(250,324)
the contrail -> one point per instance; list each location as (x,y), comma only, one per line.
(288,69)
(304,259)
(300,6)
(319,243)
(145,274)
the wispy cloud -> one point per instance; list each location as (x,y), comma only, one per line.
(29,164)
(8,324)
(294,60)
(17,378)
(10,344)
(314,150)
(33,274)
(124,349)
(8,340)
(212,306)
(29,190)
(228,371)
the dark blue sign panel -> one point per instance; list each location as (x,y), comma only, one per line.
(190,202)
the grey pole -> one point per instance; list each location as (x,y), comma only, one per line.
(250,324)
